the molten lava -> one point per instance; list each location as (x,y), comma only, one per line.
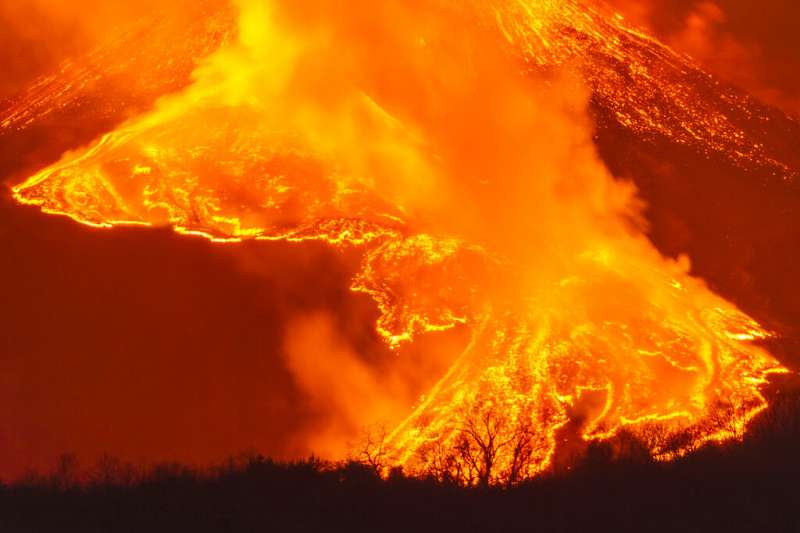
(449,142)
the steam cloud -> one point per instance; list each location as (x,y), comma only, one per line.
(466,145)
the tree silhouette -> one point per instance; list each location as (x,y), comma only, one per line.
(373,449)
(490,446)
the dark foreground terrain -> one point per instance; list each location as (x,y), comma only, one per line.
(749,486)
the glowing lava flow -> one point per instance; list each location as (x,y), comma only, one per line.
(476,198)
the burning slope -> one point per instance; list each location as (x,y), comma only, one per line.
(451,145)
(129,71)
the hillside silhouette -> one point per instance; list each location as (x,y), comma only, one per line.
(744,486)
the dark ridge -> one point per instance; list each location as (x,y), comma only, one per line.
(749,486)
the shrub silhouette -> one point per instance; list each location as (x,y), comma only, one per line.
(739,486)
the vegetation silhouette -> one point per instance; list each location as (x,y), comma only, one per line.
(749,485)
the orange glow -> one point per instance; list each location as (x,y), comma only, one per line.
(449,142)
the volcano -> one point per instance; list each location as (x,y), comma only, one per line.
(462,166)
